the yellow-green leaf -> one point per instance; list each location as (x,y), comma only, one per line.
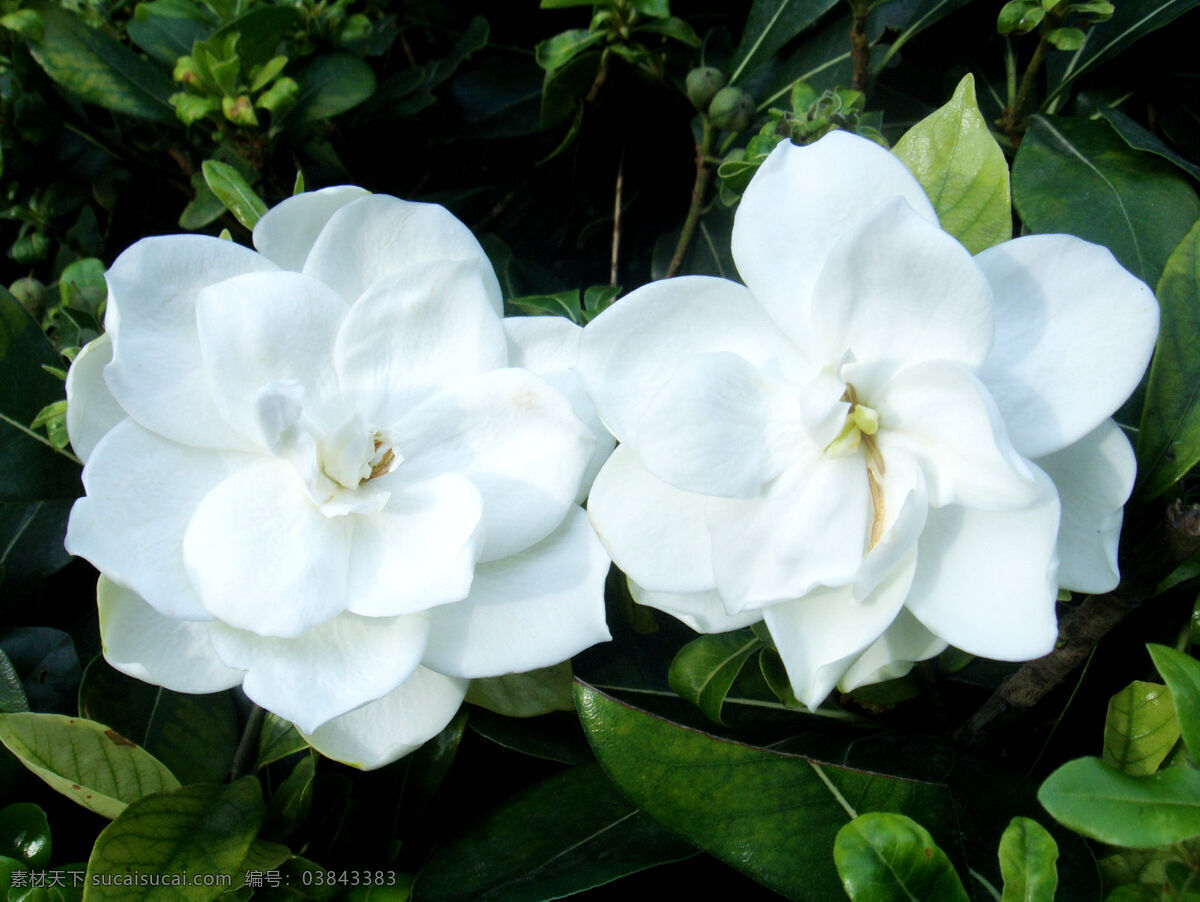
(1140,728)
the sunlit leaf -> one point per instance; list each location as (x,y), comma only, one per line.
(885,857)
(1027,862)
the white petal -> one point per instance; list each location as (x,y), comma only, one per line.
(91,409)
(141,642)
(1074,332)
(893,654)
(286,232)
(427,325)
(820,635)
(897,290)
(702,611)
(157,373)
(799,203)
(708,429)
(987,580)
(418,552)
(401,722)
(263,558)
(942,415)
(333,668)
(1094,477)
(633,347)
(375,236)
(655,533)
(512,435)
(904,498)
(809,529)
(141,492)
(262,328)
(531,610)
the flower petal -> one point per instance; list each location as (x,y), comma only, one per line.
(702,611)
(157,373)
(820,635)
(1094,477)
(800,202)
(809,529)
(418,552)
(427,325)
(893,654)
(268,327)
(141,492)
(333,668)
(986,581)
(512,435)
(633,347)
(531,610)
(287,231)
(141,642)
(263,558)
(942,415)
(389,728)
(92,411)
(1074,332)
(655,533)
(897,290)
(375,236)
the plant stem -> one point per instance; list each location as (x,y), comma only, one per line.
(616,230)
(1012,120)
(860,47)
(699,186)
(243,758)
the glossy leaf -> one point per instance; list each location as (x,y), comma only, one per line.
(554,737)
(704,670)
(1078,176)
(725,796)
(564,835)
(962,169)
(168,30)
(1169,438)
(1136,812)
(196,830)
(891,858)
(330,85)
(234,192)
(525,694)
(1181,673)
(1140,728)
(1140,138)
(12,694)
(769,25)
(277,740)
(87,762)
(96,68)
(25,834)
(31,546)
(1027,862)
(45,661)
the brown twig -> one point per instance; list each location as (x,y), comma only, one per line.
(860,47)
(699,186)
(616,230)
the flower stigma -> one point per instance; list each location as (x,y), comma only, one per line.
(862,422)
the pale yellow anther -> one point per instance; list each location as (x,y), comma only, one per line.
(865,418)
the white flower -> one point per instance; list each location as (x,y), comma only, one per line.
(868,445)
(313,472)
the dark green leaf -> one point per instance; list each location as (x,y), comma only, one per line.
(1137,812)
(1027,860)
(891,858)
(525,694)
(1078,176)
(96,68)
(704,669)
(25,834)
(911,17)
(233,191)
(1140,138)
(12,695)
(555,52)
(291,802)
(674,28)
(657,9)
(567,834)
(196,830)
(1181,673)
(203,208)
(1169,438)
(167,30)
(31,545)
(554,737)
(427,768)
(562,303)
(769,25)
(277,740)
(1140,729)
(330,85)
(259,30)
(45,661)
(725,796)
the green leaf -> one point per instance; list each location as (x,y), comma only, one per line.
(277,740)
(704,670)
(25,834)
(193,831)
(1140,729)
(674,28)
(233,191)
(562,303)
(31,469)
(914,19)
(203,208)
(1027,861)
(962,169)
(725,797)
(1137,812)
(96,68)
(559,50)
(1181,673)
(196,736)
(168,30)
(1078,176)
(85,761)
(1066,38)
(1140,138)
(891,858)
(1168,443)
(526,694)
(656,9)
(12,695)
(567,834)
(290,803)
(259,31)
(769,25)
(330,85)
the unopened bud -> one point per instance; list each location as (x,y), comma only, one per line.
(703,83)
(732,109)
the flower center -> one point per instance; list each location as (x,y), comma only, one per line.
(862,422)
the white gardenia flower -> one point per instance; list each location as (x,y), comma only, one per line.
(879,445)
(316,472)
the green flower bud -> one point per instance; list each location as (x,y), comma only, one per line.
(732,109)
(703,83)
(31,293)
(239,110)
